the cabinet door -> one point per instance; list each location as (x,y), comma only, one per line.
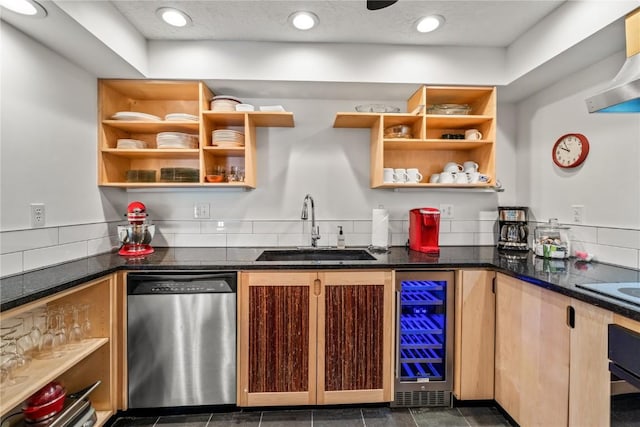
(475,335)
(590,380)
(277,339)
(532,353)
(355,329)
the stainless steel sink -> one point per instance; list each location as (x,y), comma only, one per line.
(315,255)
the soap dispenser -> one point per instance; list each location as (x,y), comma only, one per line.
(341,244)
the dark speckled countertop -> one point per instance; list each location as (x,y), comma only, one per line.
(557,275)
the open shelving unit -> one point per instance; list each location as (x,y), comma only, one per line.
(427,150)
(78,365)
(161,97)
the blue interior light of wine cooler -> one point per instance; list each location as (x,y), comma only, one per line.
(422,330)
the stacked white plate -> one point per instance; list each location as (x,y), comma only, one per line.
(181,117)
(129,144)
(176,140)
(224,103)
(227,138)
(135,116)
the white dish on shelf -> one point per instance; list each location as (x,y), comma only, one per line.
(181,117)
(176,140)
(272,108)
(135,116)
(136,144)
(245,107)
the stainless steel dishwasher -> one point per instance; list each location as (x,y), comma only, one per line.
(181,338)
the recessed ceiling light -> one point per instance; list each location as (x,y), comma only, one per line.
(174,17)
(25,7)
(304,20)
(429,23)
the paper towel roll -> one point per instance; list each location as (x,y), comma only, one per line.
(380,228)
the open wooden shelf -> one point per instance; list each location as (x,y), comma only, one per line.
(427,150)
(153,126)
(155,153)
(160,98)
(42,371)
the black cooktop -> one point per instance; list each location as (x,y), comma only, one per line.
(625,291)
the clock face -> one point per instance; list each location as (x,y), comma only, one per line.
(570,150)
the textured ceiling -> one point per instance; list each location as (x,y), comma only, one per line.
(468,23)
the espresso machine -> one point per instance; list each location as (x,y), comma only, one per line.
(424,230)
(136,236)
(513,229)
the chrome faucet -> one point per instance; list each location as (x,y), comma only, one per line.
(315,229)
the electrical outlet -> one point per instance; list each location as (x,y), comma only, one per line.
(577,214)
(37,215)
(201,210)
(446,211)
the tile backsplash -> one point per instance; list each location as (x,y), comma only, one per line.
(25,250)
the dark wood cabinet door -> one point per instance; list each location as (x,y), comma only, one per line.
(355,337)
(277,339)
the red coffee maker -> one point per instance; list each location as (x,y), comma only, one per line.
(424,229)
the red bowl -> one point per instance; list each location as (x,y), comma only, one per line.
(46,394)
(34,413)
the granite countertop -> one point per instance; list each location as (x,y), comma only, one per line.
(557,275)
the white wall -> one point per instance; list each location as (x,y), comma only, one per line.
(48,154)
(49,148)
(608,182)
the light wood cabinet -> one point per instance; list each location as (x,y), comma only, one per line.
(532,353)
(159,98)
(474,335)
(590,379)
(551,364)
(309,338)
(79,365)
(427,150)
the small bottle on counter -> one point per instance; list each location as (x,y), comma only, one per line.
(341,244)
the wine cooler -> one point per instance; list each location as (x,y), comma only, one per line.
(424,338)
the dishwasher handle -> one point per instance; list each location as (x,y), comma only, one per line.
(176,283)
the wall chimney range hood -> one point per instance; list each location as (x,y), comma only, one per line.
(623,95)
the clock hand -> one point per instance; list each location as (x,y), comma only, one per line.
(565,149)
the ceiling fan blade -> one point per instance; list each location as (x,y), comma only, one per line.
(379,4)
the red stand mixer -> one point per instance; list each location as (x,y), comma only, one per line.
(138,234)
(424,230)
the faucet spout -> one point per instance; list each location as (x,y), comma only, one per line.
(315,229)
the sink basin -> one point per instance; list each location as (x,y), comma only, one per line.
(316,255)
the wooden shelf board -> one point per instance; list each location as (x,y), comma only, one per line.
(429,185)
(433,144)
(455,94)
(225,151)
(153,153)
(271,119)
(103,417)
(42,372)
(453,121)
(227,118)
(154,126)
(159,90)
(258,118)
(356,120)
(175,184)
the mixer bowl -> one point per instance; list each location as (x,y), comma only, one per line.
(139,234)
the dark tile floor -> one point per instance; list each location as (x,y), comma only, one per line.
(340,417)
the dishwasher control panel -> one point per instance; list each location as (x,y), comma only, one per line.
(181,283)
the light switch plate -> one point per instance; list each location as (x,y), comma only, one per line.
(446,211)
